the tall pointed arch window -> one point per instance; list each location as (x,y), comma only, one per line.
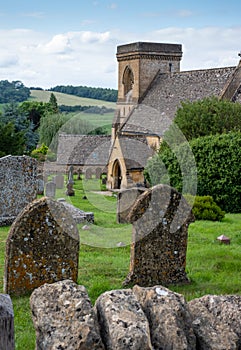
(128,80)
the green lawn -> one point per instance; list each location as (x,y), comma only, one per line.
(212,268)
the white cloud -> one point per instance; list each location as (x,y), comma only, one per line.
(88,58)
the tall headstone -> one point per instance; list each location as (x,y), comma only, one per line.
(6,323)
(160,219)
(18,181)
(42,247)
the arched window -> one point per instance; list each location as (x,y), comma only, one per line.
(128,80)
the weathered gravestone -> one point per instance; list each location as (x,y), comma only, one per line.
(125,201)
(40,184)
(42,247)
(6,323)
(18,181)
(160,218)
(59,181)
(50,189)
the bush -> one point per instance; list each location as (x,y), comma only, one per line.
(218,168)
(204,208)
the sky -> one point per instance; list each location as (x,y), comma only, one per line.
(47,43)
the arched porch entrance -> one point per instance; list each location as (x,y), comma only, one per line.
(117,176)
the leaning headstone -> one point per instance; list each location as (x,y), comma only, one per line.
(160,219)
(42,247)
(18,179)
(59,181)
(63,318)
(50,189)
(125,201)
(6,323)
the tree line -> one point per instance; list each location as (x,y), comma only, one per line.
(98,93)
(13,91)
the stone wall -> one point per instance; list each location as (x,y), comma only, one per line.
(138,319)
(18,179)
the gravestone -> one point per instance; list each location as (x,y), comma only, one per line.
(50,189)
(125,200)
(42,247)
(79,172)
(59,181)
(71,175)
(88,174)
(98,172)
(18,181)
(6,323)
(40,183)
(160,218)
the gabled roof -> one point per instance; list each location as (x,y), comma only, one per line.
(164,96)
(82,150)
(135,151)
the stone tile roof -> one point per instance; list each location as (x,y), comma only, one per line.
(158,108)
(85,150)
(136,151)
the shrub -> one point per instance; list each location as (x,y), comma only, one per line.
(218,168)
(204,208)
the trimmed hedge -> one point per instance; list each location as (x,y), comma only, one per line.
(218,165)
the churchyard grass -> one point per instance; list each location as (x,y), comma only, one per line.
(212,268)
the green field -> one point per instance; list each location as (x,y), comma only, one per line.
(68,100)
(212,268)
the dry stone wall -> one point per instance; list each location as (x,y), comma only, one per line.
(42,247)
(18,179)
(151,318)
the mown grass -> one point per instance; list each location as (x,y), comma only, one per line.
(212,268)
(68,100)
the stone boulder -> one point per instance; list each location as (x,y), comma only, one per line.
(217,322)
(169,318)
(63,318)
(122,321)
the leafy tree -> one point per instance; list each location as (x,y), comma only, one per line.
(209,116)
(35,111)
(11,141)
(12,115)
(14,91)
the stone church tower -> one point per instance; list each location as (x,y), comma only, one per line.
(138,65)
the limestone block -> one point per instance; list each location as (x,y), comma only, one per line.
(63,318)
(217,322)
(122,322)
(169,318)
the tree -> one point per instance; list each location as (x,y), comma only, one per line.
(11,141)
(21,126)
(53,103)
(13,92)
(209,116)
(35,111)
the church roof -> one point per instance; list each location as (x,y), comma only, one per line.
(157,109)
(85,150)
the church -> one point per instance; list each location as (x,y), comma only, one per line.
(151,87)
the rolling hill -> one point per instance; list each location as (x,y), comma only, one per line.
(68,100)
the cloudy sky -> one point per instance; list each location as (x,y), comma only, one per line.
(49,42)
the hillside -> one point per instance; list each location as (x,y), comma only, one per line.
(68,100)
